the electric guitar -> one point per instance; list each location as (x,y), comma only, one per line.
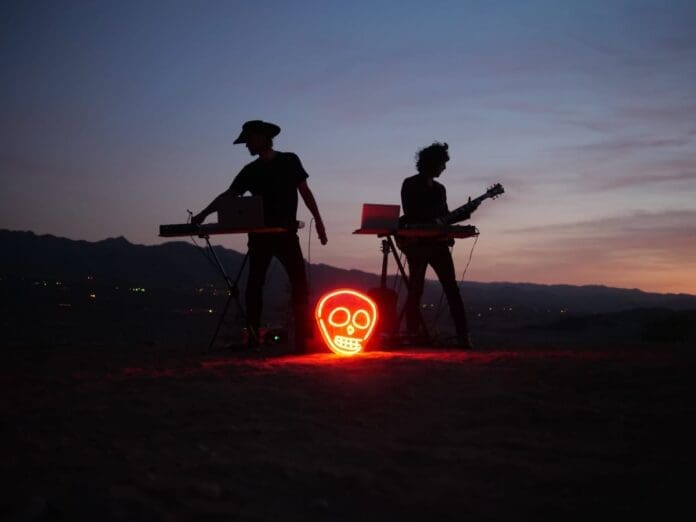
(464,212)
(458,214)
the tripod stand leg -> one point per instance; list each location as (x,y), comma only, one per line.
(220,321)
(232,288)
(402,270)
(392,247)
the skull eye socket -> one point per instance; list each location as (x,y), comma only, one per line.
(361,319)
(339,317)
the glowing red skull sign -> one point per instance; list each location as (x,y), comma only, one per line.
(346,319)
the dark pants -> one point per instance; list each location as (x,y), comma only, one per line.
(437,255)
(262,249)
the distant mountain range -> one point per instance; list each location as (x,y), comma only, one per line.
(180,265)
(58,291)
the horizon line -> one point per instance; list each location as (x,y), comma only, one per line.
(502,282)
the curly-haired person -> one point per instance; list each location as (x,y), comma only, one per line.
(424,201)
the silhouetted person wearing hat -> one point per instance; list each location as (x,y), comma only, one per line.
(424,202)
(277,177)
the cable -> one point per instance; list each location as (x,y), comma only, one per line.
(439,304)
(471,253)
(200,248)
(398,280)
(203,251)
(208,256)
(309,241)
(309,256)
(442,294)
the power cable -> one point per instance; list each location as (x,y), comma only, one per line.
(442,294)
(309,256)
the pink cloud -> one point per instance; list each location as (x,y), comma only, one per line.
(651,251)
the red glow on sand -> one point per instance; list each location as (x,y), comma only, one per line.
(398,358)
(346,320)
(386,361)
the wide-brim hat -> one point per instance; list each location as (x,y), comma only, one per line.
(257,126)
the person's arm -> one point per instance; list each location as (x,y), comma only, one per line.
(311,203)
(239,186)
(409,200)
(462,213)
(200,217)
(443,210)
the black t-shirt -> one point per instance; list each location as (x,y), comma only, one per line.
(422,203)
(276,181)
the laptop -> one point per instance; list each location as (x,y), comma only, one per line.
(380,216)
(240,212)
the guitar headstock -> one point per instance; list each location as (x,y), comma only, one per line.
(495,190)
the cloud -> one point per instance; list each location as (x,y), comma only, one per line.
(671,173)
(650,250)
(673,119)
(648,179)
(623,146)
(653,251)
(636,220)
(668,114)
(635,145)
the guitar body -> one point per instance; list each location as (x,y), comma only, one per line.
(403,242)
(458,214)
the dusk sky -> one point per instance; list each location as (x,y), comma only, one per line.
(115,117)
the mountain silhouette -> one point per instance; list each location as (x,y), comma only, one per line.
(180,265)
(58,291)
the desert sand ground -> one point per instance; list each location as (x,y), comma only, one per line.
(148,434)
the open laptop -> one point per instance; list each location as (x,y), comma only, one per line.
(376,216)
(240,212)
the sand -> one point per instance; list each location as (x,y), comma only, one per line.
(149,434)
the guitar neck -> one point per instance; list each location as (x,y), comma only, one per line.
(479,199)
(464,211)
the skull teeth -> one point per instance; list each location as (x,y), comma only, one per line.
(347,343)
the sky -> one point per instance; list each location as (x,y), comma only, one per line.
(116,117)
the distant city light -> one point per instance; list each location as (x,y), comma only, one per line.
(93,296)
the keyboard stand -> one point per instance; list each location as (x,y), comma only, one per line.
(205,231)
(232,288)
(462,231)
(390,246)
